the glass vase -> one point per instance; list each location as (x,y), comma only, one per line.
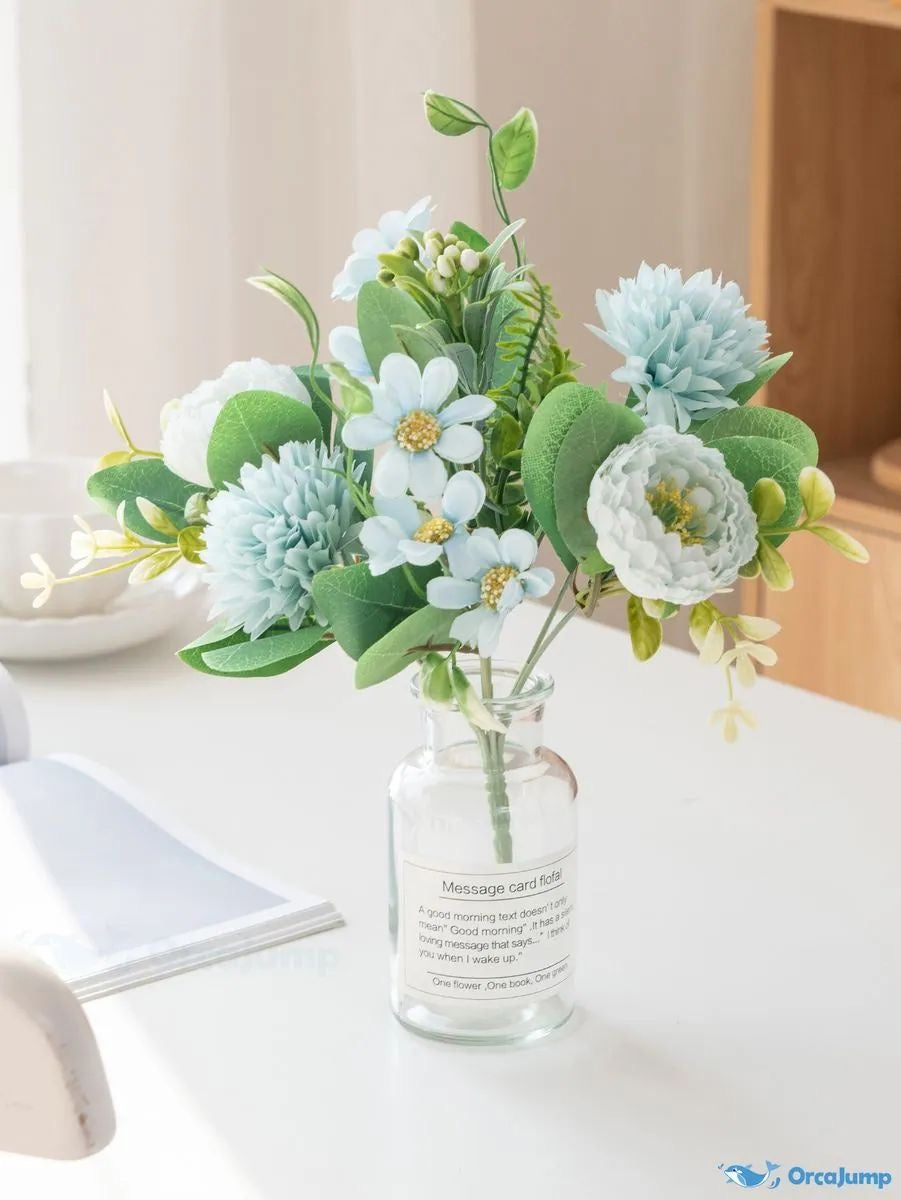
(483,872)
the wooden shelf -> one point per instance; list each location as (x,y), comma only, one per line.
(872,12)
(860,500)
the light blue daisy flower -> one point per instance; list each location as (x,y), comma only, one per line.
(346,345)
(421,431)
(497,573)
(403,533)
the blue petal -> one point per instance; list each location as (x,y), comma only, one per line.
(452,593)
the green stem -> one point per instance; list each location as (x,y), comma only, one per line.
(491,745)
(413,582)
(532,656)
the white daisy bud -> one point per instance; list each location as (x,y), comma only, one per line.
(445,267)
(435,282)
(470,260)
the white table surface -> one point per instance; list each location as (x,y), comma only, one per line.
(739,973)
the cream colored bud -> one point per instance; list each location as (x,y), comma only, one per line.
(435,282)
(453,253)
(445,266)
(433,247)
(470,260)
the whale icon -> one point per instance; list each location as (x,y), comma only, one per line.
(745,1175)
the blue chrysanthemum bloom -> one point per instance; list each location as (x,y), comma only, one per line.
(687,345)
(269,536)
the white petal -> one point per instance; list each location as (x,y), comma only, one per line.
(393,226)
(419,215)
(489,631)
(345,345)
(366,432)
(467,408)
(401,377)
(420,554)
(460,444)
(459,559)
(485,548)
(511,596)
(537,582)
(439,378)
(370,243)
(384,404)
(452,593)
(401,509)
(380,538)
(466,627)
(428,475)
(463,497)
(518,548)
(392,471)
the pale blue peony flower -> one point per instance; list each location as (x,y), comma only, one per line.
(687,345)
(269,536)
(346,345)
(670,518)
(410,416)
(363,264)
(402,532)
(497,574)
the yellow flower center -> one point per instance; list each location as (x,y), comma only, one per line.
(675,510)
(493,583)
(436,531)
(418,430)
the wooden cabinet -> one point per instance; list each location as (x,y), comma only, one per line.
(826,273)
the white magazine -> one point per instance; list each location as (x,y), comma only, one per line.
(110,897)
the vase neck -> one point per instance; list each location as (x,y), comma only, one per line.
(522,714)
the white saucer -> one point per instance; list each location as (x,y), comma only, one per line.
(138,615)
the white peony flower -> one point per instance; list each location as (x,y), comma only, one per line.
(368,244)
(411,417)
(187,423)
(401,532)
(497,574)
(346,345)
(687,345)
(670,518)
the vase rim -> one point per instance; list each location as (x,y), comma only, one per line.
(537,689)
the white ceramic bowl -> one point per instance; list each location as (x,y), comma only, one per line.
(38,498)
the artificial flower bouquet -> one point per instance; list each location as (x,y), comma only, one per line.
(393,500)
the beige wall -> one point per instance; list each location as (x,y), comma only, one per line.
(171,149)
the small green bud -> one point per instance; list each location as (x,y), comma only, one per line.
(452,252)
(386,277)
(433,246)
(408,247)
(397,264)
(435,282)
(445,266)
(451,239)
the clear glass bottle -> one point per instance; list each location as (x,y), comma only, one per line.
(482,888)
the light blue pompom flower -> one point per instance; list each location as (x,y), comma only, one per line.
(687,345)
(268,537)
(496,573)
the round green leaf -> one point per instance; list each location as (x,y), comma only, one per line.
(282,650)
(252,424)
(449,116)
(763,422)
(514,147)
(145,478)
(587,443)
(543,440)
(360,607)
(379,309)
(753,458)
(645,631)
(404,644)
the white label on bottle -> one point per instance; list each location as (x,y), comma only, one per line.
(494,934)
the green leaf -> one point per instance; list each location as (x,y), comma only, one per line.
(361,608)
(191,543)
(320,408)
(449,116)
(751,569)
(150,479)
(404,644)
(700,620)
(473,239)
(762,422)
(252,424)
(594,564)
(753,458)
(435,683)
(215,636)
(156,518)
(587,444)
(850,547)
(765,373)
(379,308)
(514,147)
(470,704)
(645,631)
(506,436)
(775,570)
(817,492)
(768,501)
(544,437)
(261,656)
(285,291)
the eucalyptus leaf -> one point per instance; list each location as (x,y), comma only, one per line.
(419,344)
(379,309)
(320,408)
(360,607)
(150,479)
(282,650)
(753,458)
(252,424)
(404,644)
(762,422)
(514,147)
(470,236)
(765,373)
(544,438)
(506,436)
(449,116)
(587,444)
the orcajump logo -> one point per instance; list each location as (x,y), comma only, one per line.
(746,1176)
